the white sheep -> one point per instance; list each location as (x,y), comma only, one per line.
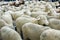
(27,12)
(35,14)
(32,31)
(50,10)
(54,23)
(57,16)
(9,34)
(2,23)
(8,20)
(22,20)
(16,14)
(42,20)
(50,34)
(1,12)
(9,12)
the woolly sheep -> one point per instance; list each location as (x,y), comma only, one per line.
(35,14)
(35,9)
(42,20)
(16,14)
(22,20)
(8,19)
(12,8)
(57,16)
(9,34)
(2,23)
(50,34)
(53,5)
(54,23)
(32,31)
(1,12)
(26,16)
(42,7)
(9,12)
(27,12)
(42,2)
(50,9)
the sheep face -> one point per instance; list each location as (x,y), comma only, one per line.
(42,20)
(9,34)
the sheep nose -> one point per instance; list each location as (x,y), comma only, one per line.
(15,29)
(44,25)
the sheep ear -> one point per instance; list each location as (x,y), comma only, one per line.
(38,18)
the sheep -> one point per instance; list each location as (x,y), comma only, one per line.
(42,7)
(1,12)
(57,16)
(12,8)
(27,12)
(2,23)
(12,13)
(58,10)
(22,20)
(54,23)
(9,34)
(8,20)
(16,4)
(26,16)
(9,12)
(32,31)
(50,10)
(4,8)
(50,34)
(35,14)
(42,20)
(16,14)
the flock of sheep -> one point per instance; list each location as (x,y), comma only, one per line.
(30,21)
